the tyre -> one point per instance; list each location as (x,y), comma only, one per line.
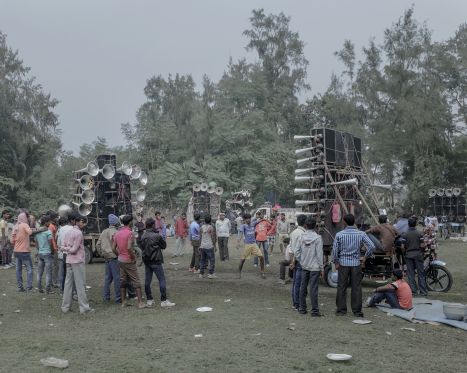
(438,278)
(87,255)
(330,277)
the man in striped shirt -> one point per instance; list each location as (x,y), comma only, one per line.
(346,257)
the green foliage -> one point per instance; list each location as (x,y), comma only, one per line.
(406,98)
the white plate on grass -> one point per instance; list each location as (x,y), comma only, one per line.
(339,357)
(362,322)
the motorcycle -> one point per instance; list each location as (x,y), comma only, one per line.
(438,277)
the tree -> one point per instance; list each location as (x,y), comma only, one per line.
(29,135)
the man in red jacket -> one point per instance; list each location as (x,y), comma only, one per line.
(181,233)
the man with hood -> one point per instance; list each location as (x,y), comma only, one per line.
(310,249)
(20,241)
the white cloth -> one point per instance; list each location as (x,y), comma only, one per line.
(288,252)
(294,240)
(223,228)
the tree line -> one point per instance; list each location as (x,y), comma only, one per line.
(405,97)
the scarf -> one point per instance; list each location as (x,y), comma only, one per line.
(22,218)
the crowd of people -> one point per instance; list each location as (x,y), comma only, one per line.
(61,256)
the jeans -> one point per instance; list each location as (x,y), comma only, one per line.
(207,255)
(112,274)
(158,270)
(195,257)
(23,258)
(62,272)
(312,278)
(223,247)
(355,274)
(180,246)
(412,264)
(264,246)
(45,260)
(55,269)
(390,297)
(297,282)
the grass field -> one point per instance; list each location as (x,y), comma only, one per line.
(248,334)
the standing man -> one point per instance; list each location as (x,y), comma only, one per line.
(272,232)
(44,244)
(247,231)
(160,225)
(4,244)
(64,227)
(207,248)
(295,260)
(282,230)
(122,243)
(223,234)
(311,260)
(73,245)
(53,228)
(152,245)
(181,232)
(346,257)
(414,258)
(262,228)
(195,239)
(109,253)
(22,250)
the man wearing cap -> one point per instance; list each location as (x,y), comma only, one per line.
(73,246)
(110,255)
(223,234)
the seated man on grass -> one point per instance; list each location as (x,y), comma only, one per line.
(397,294)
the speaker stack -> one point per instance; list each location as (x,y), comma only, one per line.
(447,202)
(104,189)
(206,198)
(328,172)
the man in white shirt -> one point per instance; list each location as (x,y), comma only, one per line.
(295,261)
(223,234)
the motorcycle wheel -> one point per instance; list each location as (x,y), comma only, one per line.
(330,277)
(438,278)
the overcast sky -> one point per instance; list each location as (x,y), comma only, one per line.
(95,56)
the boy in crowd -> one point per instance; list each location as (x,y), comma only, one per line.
(311,259)
(44,241)
(397,294)
(262,228)
(247,232)
(207,248)
(286,262)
